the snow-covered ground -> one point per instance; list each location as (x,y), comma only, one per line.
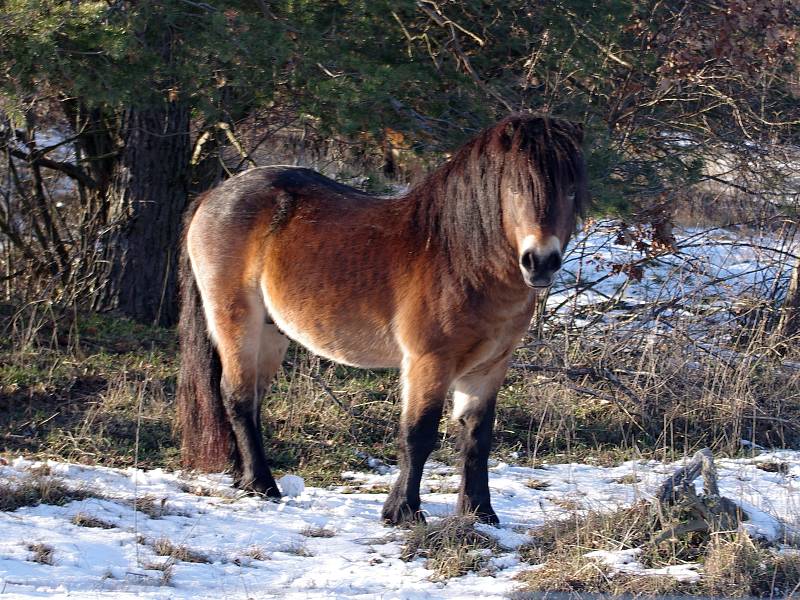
(262,549)
(330,543)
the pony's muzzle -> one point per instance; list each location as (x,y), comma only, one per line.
(539,269)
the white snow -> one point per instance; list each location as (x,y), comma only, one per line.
(291,485)
(264,549)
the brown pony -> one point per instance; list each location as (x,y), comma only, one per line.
(440,282)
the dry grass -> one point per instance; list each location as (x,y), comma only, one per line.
(452,546)
(35,490)
(165,547)
(577,575)
(629,479)
(570,504)
(298,550)
(731,563)
(628,393)
(537,484)
(256,553)
(594,530)
(153,506)
(198,489)
(42,553)
(86,520)
(773,466)
(318,532)
(736,565)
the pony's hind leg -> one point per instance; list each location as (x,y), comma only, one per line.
(425,384)
(474,399)
(240,332)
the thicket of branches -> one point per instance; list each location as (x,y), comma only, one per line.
(114,114)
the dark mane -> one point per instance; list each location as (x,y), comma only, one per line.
(459,203)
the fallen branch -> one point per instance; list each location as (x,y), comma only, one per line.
(708,512)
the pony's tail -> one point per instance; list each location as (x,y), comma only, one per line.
(207,442)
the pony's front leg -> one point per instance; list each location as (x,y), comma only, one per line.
(474,399)
(425,385)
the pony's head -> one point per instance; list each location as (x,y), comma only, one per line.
(542,191)
(514,191)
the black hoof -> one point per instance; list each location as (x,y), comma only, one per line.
(401,514)
(260,486)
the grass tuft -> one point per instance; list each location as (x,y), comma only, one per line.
(736,565)
(42,553)
(167,569)
(153,506)
(39,489)
(298,550)
(256,553)
(318,532)
(537,484)
(576,574)
(86,520)
(451,545)
(164,547)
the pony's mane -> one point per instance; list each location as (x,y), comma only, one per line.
(459,203)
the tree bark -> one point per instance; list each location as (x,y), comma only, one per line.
(148,194)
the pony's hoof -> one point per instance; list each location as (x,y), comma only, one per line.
(266,489)
(401,514)
(269,491)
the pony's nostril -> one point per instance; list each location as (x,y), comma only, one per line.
(552,263)
(528,261)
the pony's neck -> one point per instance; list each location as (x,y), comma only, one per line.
(456,212)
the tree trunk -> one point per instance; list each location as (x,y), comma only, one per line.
(148,195)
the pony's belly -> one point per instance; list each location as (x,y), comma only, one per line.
(353,341)
(357,349)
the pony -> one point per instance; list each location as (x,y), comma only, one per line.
(440,282)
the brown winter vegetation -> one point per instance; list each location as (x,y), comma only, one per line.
(35,490)
(42,553)
(82,519)
(678,527)
(451,546)
(164,547)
